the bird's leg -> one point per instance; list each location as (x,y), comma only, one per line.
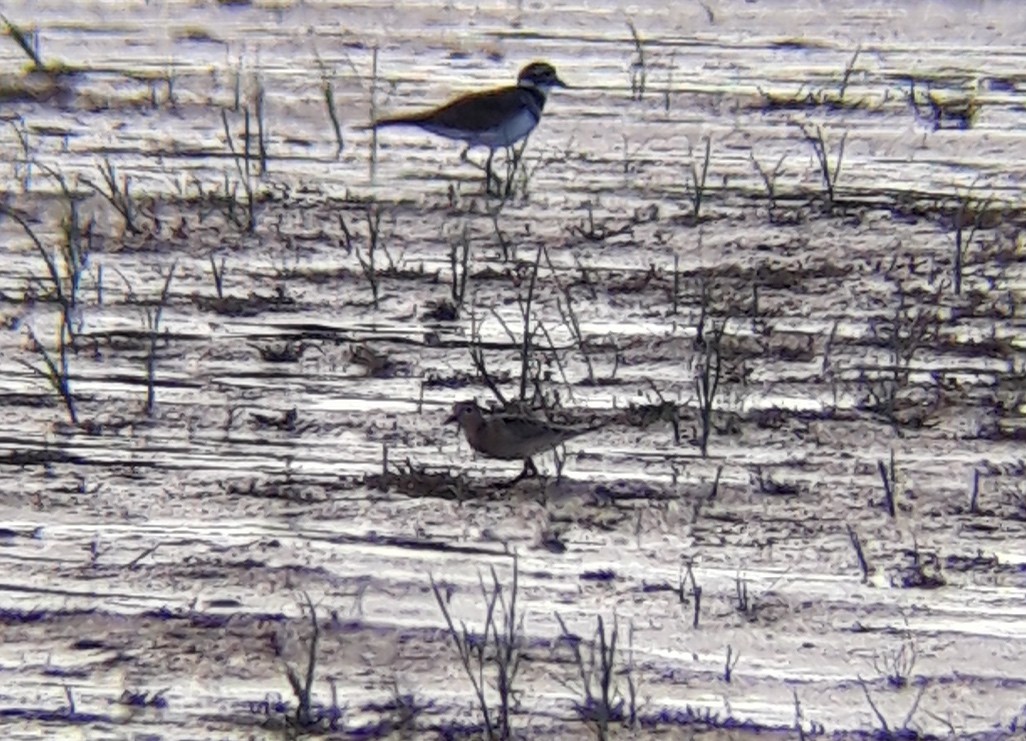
(513,154)
(490,175)
(529,470)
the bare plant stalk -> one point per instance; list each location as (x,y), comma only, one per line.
(65,267)
(153,325)
(669,81)
(574,325)
(876,711)
(698,178)
(56,371)
(218,272)
(846,77)
(676,283)
(329,102)
(744,605)
(238,86)
(632,686)
(769,180)
(974,496)
(373,215)
(559,364)
(860,554)
(374,112)
(968,213)
(25,174)
(459,263)
(242,166)
(639,70)
(688,575)
(477,357)
(261,127)
(507,190)
(500,236)
(528,336)
(707,382)
(27,45)
(169,80)
(889,482)
(703,312)
(729,663)
(53,271)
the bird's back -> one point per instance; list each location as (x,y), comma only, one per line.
(493,118)
(510,437)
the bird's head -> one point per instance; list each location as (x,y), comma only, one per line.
(541,75)
(463,412)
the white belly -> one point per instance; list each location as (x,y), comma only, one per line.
(511,132)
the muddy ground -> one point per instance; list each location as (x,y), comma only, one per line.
(259,355)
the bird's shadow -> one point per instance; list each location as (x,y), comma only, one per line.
(417,481)
(421,481)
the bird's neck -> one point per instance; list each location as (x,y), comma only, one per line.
(536,94)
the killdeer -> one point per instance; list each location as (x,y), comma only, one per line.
(494,119)
(511,436)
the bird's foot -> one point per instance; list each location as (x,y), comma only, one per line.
(529,472)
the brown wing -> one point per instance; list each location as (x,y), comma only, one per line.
(474,112)
(534,436)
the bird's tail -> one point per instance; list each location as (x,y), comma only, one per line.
(413,119)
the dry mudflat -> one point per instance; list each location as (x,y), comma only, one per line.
(775,247)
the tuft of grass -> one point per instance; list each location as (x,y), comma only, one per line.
(368,256)
(308,717)
(65,267)
(243,167)
(897,665)
(602,701)
(769,181)
(829,173)
(912,327)
(117,193)
(498,648)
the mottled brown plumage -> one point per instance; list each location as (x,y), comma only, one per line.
(510,436)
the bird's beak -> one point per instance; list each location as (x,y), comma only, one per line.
(556,82)
(450,419)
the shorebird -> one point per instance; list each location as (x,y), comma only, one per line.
(495,119)
(509,436)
